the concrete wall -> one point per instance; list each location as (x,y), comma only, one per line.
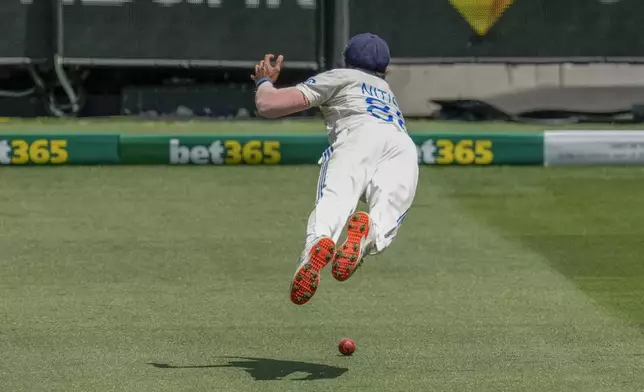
(415,85)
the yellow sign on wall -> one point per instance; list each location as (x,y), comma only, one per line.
(481,14)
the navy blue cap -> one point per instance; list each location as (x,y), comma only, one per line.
(368,52)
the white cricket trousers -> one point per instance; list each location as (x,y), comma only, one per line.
(376,164)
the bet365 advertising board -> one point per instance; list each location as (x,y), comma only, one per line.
(549,148)
(58,149)
(433,149)
(474,149)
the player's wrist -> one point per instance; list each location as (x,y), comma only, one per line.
(263,80)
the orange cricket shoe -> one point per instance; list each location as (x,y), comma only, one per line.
(307,277)
(350,255)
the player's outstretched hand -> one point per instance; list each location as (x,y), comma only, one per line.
(264,69)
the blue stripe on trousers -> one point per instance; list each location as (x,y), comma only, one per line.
(402,218)
(326,156)
(399,222)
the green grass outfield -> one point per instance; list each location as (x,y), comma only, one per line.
(501,279)
(129,125)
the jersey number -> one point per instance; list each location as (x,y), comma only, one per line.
(380,110)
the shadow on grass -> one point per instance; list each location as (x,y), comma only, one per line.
(264,369)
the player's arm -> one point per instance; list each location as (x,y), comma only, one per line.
(272,102)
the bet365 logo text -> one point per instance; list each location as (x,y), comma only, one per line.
(449,152)
(226,152)
(40,152)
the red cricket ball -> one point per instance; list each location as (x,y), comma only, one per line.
(347,346)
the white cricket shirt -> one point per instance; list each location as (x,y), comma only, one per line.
(350,98)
